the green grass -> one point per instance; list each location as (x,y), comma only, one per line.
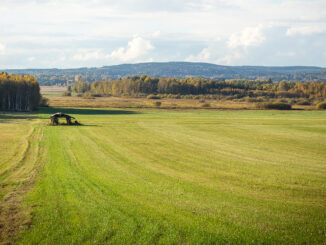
(176,177)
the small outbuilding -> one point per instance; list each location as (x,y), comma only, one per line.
(55,119)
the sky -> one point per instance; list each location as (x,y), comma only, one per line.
(95,33)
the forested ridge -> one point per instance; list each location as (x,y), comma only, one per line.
(176,70)
(19,92)
(145,85)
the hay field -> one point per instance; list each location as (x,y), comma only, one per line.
(164,177)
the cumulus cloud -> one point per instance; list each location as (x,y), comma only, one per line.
(203,56)
(305,30)
(250,36)
(137,48)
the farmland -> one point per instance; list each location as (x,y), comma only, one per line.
(164,176)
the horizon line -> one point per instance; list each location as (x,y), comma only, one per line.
(158,62)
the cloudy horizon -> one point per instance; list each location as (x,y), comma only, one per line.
(95,33)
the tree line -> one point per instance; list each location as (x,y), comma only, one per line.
(19,92)
(144,85)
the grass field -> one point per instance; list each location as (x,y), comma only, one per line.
(164,177)
(56,98)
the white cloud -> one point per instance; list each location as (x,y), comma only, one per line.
(203,56)
(31,59)
(2,48)
(86,31)
(86,55)
(230,59)
(250,36)
(305,30)
(156,34)
(137,48)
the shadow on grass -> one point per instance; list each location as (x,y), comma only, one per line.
(8,116)
(82,111)
(73,125)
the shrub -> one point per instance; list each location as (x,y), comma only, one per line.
(205,105)
(188,96)
(67,93)
(158,103)
(262,99)
(280,101)
(250,99)
(321,106)
(44,102)
(231,97)
(153,97)
(303,102)
(274,106)
(88,95)
(176,96)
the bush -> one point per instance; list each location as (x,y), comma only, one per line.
(231,97)
(158,103)
(292,101)
(321,106)
(153,97)
(281,101)
(88,95)
(44,102)
(97,95)
(67,93)
(205,105)
(188,96)
(274,106)
(251,99)
(303,102)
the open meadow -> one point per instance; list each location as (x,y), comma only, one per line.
(141,122)
(164,177)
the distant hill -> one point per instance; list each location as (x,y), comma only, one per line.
(183,69)
(178,70)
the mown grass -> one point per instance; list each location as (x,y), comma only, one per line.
(179,177)
(20,161)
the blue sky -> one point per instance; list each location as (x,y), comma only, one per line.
(93,33)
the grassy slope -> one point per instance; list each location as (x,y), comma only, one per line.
(182,177)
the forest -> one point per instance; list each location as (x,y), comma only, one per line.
(238,88)
(175,70)
(18,92)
